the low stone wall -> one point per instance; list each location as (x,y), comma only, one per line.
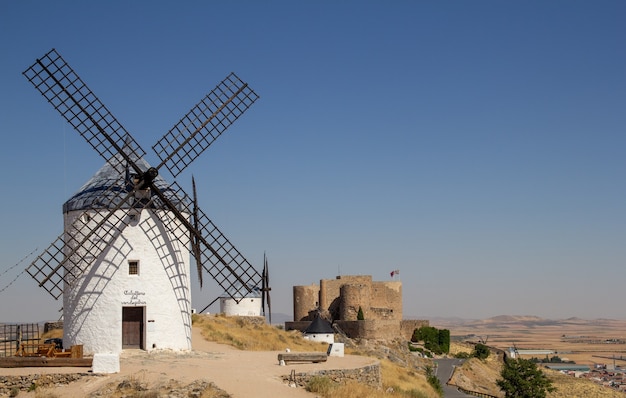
(369,375)
(9,385)
(408,326)
(48,326)
(371,329)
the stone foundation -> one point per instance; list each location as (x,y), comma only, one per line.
(11,384)
(374,329)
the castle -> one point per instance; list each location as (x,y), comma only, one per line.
(339,301)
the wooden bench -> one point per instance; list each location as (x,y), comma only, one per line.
(314,357)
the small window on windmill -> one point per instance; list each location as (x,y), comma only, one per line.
(133,216)
(133,267)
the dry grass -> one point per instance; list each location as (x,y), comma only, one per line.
(405,382)
(246,334)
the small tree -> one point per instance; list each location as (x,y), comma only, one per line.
(360,316)
(433,380)
(481,351)
(522,379)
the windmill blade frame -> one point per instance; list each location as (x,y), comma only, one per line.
(78,105)
(70,96)
(204,123)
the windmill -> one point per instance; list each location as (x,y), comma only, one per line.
(122,262)
(265,290)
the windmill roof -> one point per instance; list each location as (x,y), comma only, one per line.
(319,325)
(110,184)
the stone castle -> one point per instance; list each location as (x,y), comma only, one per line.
(339,301)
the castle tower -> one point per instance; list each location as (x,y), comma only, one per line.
(353,297)
(305,300)
(137,292)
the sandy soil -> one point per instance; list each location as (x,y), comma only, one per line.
(240,373)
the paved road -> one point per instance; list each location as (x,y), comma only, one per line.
(444,370)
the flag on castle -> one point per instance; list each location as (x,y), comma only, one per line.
(395,272)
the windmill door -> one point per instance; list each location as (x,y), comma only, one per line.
(132,327)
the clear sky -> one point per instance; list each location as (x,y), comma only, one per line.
(476,146)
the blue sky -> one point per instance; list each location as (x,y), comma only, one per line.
(478,147)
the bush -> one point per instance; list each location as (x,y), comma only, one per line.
(481,351)
(435,340)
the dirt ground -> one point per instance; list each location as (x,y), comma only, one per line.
(239,373)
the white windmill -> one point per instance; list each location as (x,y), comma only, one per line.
(122,262)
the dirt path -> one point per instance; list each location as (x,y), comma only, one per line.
(240,373)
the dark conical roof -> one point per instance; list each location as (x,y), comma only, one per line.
(319,325)
(111,183)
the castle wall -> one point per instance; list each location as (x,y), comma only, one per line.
(379,329)
(408,326)
(386,301)
(330,292)
(372,330)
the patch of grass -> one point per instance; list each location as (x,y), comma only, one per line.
(321,385)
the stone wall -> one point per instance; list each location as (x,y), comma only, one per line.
(10,385)
(372,329)
(369,375)
(48,326)
(408,326)
(386,300)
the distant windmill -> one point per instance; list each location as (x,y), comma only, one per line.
(122,262)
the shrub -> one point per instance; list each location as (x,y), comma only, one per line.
(321,385)
(433,380)
(481,351)
(435,340)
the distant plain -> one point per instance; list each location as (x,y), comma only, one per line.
(587,342)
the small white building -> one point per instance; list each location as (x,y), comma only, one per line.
(137,292)
(238,305)
(320,330)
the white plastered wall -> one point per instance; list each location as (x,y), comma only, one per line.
(246,306)
(93,303)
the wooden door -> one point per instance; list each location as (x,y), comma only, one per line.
(132,327)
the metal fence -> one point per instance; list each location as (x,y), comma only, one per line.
(11,336)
